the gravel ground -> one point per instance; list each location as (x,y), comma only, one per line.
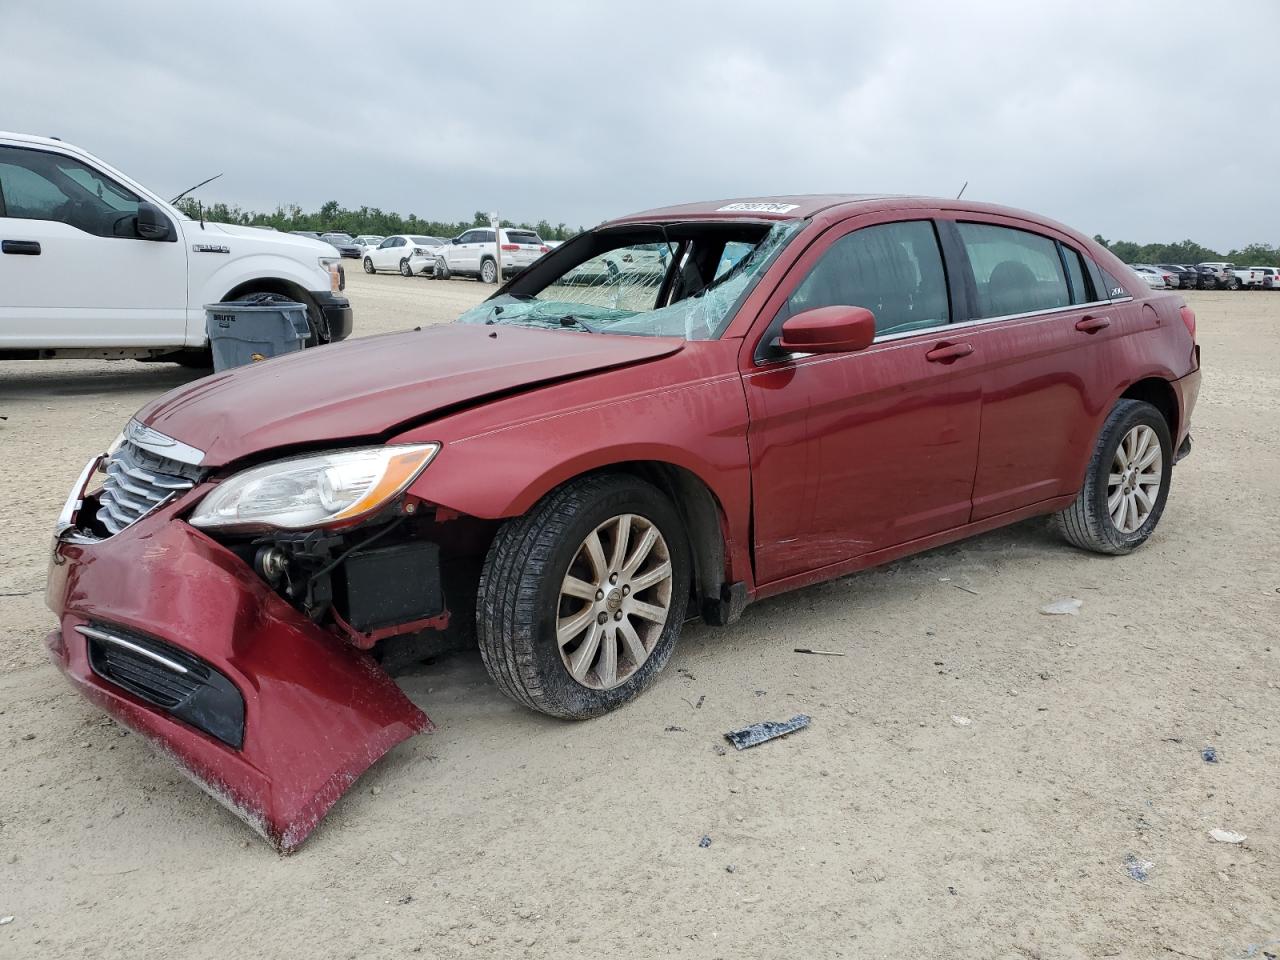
(886,829)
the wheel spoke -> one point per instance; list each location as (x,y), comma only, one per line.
(1114,480)
(1114,501)
(656,575)
(595,553)
(569,627)
(648,610)
(635,648)
(1120,512)
(622,538)
(585,655)
(607,670)
(1121,460)
(1152,458)
(1131,516)
(574,587)
(1143,499)
(641,552)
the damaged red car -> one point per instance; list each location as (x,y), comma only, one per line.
(669,416)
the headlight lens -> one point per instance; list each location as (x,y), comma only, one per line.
(313,491)
(333,266)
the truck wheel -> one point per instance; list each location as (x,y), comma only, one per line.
(581,600)
(1126,484)
(441,269)
(488,271)
(368,266)
(195,359)
(405,269)
(1233,283)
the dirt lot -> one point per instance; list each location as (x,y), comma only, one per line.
(884,830)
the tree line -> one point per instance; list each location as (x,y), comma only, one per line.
(333,218)
(1188,251)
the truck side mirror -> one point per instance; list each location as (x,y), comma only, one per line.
(152,223)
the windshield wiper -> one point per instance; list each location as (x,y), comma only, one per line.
(569,320)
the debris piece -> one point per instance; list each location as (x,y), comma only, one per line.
(952,891)
(761,693)
(820,653)
(399,857)
(1063,606)
(1227,836)
(28,736)
(674,729)
(407,898)
(4,920)
(375,791)
(1140,870)
(704,842)
(758,733)
(1210,754)
(960,586)
(701,700)
(960,721)
(719,750)
(731,869)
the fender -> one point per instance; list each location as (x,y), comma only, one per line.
(211,276)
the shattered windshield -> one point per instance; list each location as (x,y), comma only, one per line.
(672,280)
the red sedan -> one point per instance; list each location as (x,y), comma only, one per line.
(675,413)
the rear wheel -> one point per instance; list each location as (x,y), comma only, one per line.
(1126,485)
(368,266)
(441,270)
(581,600)
(488,271)
(405,269)
(1233,283)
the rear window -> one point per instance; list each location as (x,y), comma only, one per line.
(523,236)
(1015,271)
(427,241)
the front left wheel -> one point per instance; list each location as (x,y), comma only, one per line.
(368,266)
(581,600)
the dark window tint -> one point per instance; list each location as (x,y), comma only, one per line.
(1115,289)
(47,186)
(1077,276)
(523,236)
(471,236)
(1015,271)
(893,269)
(484,236)
(426,241)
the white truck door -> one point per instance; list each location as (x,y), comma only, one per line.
(73,271)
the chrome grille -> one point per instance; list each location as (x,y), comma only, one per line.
(137,482)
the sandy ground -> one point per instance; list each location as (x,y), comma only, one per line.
(884,830)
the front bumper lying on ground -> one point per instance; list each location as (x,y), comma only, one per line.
(315,712)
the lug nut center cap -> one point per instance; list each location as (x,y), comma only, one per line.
(614,600)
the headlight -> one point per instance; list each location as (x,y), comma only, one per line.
(333,266)
(313,491)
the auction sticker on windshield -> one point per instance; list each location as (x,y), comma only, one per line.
(757,207)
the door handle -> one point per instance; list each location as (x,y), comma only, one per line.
(30,248)
(1092,324)
(947,352)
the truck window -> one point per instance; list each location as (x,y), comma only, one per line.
(45,186)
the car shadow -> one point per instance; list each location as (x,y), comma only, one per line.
(25,379)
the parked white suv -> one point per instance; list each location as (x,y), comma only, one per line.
(474,253)
(92,264)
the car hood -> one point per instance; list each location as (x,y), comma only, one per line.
(276,240)
(369,387)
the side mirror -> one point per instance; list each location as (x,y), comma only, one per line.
(455,241)
(838,329)
(152,223)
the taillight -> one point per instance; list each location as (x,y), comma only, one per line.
(544,249)
(511,246)
(1189,318)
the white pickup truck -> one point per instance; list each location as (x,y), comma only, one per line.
(1251,278)
(92,264)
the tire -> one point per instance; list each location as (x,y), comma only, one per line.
(1233,283)
(441,270)
(368,265)
(1089,523)
(488,271)
(520,601)
(405,269)
(195,359)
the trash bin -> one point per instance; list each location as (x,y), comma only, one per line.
(256,328)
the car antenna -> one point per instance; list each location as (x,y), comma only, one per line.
(196,187)
(962,190)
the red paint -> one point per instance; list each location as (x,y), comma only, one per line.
(819,465)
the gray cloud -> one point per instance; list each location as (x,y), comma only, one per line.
(1113,117)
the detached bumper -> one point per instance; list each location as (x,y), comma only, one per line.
(316,713)
(336,311)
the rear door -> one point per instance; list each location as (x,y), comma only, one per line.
(73,272)
(858,452)
(1040,331)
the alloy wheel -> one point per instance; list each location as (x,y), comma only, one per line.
(1133,486)
(614,601)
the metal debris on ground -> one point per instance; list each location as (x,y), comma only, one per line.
(674,729)
(1227,836)
(820,653)
(1210,754)
(705,841)
(1140,870)
(758,733)
(960,721)
(4,920)
(1063,606)
(701,700)
(961,586)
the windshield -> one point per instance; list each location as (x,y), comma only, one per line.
(673,280)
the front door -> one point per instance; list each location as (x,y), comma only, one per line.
(858,452)
(73,272)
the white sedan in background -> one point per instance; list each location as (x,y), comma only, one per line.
(369,241)
(408,254)
(1155,279)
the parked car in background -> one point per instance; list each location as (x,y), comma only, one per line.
(1185,277)
(97,265)
(578,470)
(344,243)
(1247,278)
(474,253)
(1153,278)
(309,234)
(407,254)
(1208,278)
(1270,277)
(368,241)
(1222,274)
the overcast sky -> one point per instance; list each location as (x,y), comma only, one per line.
(1134,120)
